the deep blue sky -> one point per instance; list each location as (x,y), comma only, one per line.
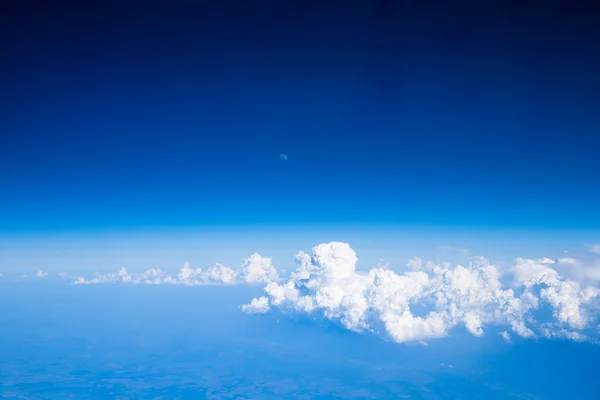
(128,114)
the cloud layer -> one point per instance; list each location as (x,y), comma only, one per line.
(532,299)
(254,270)
(427,300)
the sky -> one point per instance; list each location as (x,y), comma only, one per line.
(480,114)
(378,171)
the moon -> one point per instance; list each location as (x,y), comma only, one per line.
(283,157)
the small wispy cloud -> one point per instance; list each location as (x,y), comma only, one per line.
(41,274)
(594,248)
(460,250)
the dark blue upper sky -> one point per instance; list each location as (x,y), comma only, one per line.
(136,114)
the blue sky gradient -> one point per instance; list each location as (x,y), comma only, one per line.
(391,114)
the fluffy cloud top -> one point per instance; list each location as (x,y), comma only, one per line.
(41,274)
(257,269)
(326,283)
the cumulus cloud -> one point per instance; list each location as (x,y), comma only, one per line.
(41,274)
(582,268)
(566,296)
(257,269)
(424,301)
(327,284)
(259,305)
(254,270)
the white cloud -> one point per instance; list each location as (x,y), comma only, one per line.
(149,277)
(326,283)
(41,274)
(220,274)
(415,264)
(550,333)
(581,269)
(566,297)
(424,301)
(255,269)
(257,306)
